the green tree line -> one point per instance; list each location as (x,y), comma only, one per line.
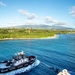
(30,33)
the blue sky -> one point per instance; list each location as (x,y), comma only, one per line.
(36,12)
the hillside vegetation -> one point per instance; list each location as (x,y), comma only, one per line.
(30,33)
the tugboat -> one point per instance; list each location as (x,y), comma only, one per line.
(19,61)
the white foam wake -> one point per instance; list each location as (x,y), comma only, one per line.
(25,69)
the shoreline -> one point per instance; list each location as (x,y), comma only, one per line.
(50,37)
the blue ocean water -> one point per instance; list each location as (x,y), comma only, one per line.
(58,53)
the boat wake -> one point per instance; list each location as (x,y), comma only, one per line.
(56,70)
(25,69)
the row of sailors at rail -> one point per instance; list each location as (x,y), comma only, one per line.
(21,61)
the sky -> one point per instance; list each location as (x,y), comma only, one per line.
(37,12)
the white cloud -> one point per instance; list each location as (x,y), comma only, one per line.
(24,12)
(50,20)
(60,23)
(32,16)
(2,4)
(33,19)
(28,14)
(72,12)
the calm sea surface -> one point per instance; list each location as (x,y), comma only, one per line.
(59,53)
